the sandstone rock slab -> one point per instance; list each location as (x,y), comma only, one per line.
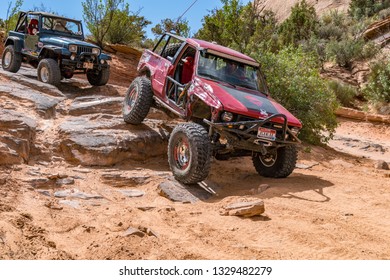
(122,179)
(132,193)
(104,140)
(17,135)
(45,105)
(177,192)
(27,77)
(96,104)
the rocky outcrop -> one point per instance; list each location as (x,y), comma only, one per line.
(45,105)
(379,32)
(17,134)
(104,140)
(23,77)
(359,115)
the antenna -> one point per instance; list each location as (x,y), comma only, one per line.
(179,18)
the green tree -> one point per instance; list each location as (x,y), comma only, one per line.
(180,28)
(265,36)
(294,80)
(378,87)
(231,26)
(98,16)
(300,25)
(12,14)
(367,8)
(127,27)
(242,27)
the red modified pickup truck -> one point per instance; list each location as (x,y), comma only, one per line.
(222,96)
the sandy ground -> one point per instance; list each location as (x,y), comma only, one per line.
(338,209)
(336,206)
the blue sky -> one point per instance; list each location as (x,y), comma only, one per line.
(153,10)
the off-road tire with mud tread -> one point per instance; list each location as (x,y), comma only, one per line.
(142,103)
(200,153)
(54,72)
(100,78)
(282,167)
(171,50)
(16,60)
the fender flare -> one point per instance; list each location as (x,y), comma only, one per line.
(53,51)
(16,42)
(145,71)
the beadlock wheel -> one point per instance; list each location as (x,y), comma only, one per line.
(182,154)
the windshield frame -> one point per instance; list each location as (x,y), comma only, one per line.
(79,34)
(258,84)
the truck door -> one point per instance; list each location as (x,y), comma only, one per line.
(32,35)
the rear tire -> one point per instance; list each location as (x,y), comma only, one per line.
(138,100)
(278,163)
(11,60)
(99,78)
(189,153)
(49,72)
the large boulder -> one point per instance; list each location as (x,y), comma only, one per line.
(104,140)
(17,134)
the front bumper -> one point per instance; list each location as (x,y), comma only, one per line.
(79,64)
(246,138)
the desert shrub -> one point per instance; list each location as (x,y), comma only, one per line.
(345,93)
(384,13)
(344,52)
(367,8)
(370,49)
(330,31)
(294,80)
(378,85)
(333,25)
(317,47)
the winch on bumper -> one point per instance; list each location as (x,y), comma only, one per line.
(250,135)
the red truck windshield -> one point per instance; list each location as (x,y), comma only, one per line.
(230,71)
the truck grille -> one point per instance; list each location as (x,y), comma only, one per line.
(82,49)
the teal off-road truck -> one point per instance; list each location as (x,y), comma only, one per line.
(54,45)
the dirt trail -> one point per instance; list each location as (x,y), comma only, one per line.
(334,206)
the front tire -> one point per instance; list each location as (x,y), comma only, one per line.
(189,153)
(11,60)
(138,100)
(277,163)
(98,78)
(49,72)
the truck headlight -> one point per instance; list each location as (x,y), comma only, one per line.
(96,51)
(295,130)
(227,117)
(73,48)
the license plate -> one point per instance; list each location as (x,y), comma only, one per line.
(266,133)
(88,65)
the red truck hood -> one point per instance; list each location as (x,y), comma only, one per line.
(248,102)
